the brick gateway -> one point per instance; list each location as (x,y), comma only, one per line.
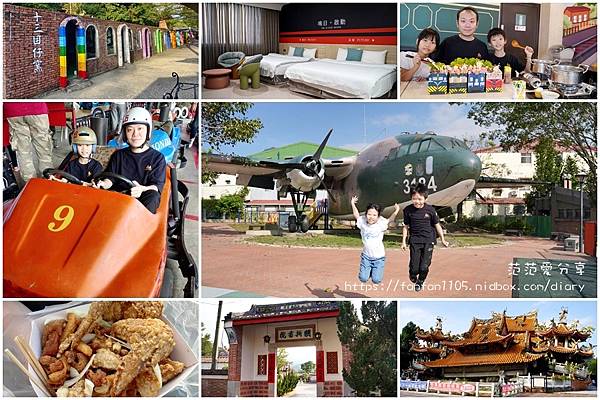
(255,336)
(45,50)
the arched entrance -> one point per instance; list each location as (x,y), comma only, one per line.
(146,43)
(256,335)
(123,45)
(72,50)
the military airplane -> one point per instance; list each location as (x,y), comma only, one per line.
(382,173)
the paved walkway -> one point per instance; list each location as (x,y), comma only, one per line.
(229,263)
(589,393)
(304,390)
(149,78)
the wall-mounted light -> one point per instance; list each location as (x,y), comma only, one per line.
(318,335)
(267,338)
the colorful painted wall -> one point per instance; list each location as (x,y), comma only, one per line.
(32,49)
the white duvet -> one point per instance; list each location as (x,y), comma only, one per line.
(276,64)
(358,79)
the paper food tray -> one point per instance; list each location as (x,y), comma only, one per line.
(182,351)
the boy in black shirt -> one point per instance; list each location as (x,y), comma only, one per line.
(139,162)
(497,39)
(84,167)
(423,222)
(465,44)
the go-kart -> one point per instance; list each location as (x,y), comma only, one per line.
(69,240)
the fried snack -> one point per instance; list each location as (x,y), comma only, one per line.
(59,377)
(151,341)
(72,322)
(106,359)
(169,369)
(101,343)
(51,337)
(97,377)
(76,359)
(85,349)
(111,311)
(147,383)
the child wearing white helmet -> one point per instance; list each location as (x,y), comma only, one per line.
(84,167)
(139,162)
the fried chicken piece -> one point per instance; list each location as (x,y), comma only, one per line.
(151,340)
(97,377)
(72,322)
(51,337)
(106,359)
(78,389)
(105,387)
(51,364)
(101,343)
(147,383)
(169,369)
(59,377)
(76,359)
(111,311)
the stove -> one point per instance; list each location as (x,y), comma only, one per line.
(579,91)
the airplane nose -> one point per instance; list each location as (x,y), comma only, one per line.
(476,166)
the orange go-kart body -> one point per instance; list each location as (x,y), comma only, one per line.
(65,240)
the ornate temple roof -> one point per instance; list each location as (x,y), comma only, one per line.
(513,355)
(432,336)
(258,311)
(562,330)
(425,349)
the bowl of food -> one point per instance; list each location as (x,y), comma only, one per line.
(109,349)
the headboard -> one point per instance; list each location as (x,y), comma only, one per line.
(330,50)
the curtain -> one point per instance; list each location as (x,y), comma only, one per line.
(237,27)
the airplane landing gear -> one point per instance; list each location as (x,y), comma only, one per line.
(299,222)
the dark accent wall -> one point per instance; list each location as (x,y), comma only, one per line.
(374,24)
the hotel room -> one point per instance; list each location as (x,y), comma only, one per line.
(299,50)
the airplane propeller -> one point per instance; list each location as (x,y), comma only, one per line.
(314,163)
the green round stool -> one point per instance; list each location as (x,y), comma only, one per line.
(250,70)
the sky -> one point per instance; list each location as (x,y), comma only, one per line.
(208,316)
(457,315)
(354,124)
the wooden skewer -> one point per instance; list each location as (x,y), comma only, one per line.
(28,353)
(26,372)
(121,342)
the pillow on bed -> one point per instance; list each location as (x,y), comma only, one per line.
(342,54)
(310,53)
(298,51)
(373,57)
(291,51)
(354,54)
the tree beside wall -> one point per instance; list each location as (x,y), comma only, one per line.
(373,345)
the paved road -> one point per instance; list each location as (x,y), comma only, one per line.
(589,393)
(149,78)
(229,263)
(304,390)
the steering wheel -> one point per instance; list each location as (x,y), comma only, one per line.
(117,177)
(70,178)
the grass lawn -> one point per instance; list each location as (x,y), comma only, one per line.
(352,239)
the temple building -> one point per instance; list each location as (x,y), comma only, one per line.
(504,346)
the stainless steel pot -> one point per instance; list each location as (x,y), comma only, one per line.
(539,66)
(568,74)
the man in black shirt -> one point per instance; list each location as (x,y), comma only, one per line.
(497,39)
(423,222)
(465,44)
(139,162)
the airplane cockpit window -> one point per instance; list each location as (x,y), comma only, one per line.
(414,147)
(424,145)
(401,150)
(436,146)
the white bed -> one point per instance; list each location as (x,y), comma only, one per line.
(348,79)
(273,66)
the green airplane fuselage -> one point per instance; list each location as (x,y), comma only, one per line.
(384,172)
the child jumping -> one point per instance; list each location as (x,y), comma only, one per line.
(423,222)
(372,226)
